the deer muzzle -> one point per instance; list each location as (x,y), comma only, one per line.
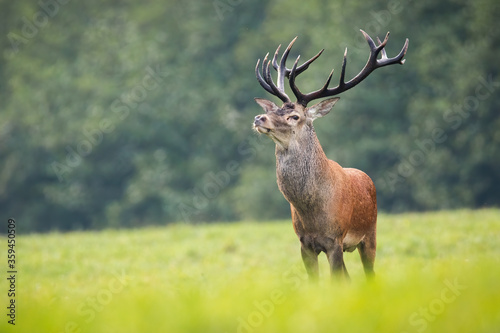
(260,123)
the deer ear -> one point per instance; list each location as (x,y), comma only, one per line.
(267,105)
(322,108)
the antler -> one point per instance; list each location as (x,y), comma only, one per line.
(267,81)
(372,64)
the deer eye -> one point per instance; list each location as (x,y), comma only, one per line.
(294,117)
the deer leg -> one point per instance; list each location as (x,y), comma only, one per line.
(310,259)
(345,270)
(336,259)
(367,249)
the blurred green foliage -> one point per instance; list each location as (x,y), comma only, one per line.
(120,114)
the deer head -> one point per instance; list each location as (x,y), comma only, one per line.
(288,123)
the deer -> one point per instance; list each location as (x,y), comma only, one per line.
(333,209)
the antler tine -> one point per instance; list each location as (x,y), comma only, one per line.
(275,62)
(384,54)
(266,80)
(291,80)
(282,67)
(402,53)
(261,80)
(375,50)
(342,71)
(281,80)
(277,92)
(305,65)
(300,68)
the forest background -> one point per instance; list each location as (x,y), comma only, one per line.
(125,114)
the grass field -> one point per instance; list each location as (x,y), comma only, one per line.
(436,272)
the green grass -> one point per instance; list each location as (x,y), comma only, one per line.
(436,272)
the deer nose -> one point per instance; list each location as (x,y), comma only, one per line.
(261,118)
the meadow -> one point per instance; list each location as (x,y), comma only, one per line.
(436,272)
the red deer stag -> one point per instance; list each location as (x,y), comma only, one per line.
(334,209)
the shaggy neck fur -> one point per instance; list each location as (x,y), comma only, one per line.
(300,168)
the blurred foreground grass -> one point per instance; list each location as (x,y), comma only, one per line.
(436,272)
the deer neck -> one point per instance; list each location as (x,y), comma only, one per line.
(301,169)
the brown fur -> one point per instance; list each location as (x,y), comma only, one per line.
(334,209)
